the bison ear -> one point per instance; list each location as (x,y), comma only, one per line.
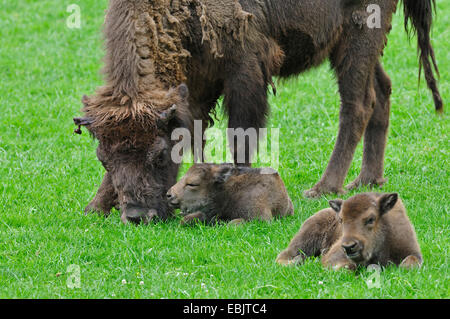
(183,91)
(166,116)
(223,174)
(85,100)
(387,202)
(336,204)
(157,155)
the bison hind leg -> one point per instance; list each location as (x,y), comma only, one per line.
(315,236)
(375,136)
(286,258)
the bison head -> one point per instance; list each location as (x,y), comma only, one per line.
(135,149)
(197,190)
(361,217)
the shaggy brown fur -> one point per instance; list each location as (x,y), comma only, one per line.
(365,229)
(234,48)
(210,192)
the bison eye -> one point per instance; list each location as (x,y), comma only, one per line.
(370,221)
(192,185)
(161,160)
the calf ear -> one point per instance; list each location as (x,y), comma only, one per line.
(387,202)
(336,204)
(166,116)
(223,174)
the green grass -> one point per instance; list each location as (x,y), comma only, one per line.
(48,175)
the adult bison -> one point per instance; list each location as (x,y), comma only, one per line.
(168,61)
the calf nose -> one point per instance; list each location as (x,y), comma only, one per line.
(171,198)
(350,247)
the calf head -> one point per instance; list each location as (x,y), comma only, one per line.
(199,189)
(361,217)
(135,148)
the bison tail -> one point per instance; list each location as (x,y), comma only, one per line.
(420,14)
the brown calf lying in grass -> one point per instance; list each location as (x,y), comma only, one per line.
(365,229)
(210,192)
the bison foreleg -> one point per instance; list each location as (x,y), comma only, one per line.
(105,199)
(247,108)
(336,259)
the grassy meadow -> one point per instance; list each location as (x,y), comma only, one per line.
(48,175)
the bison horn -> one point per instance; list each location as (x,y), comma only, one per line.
(82,121)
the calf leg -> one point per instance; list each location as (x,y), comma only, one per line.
(193,218)
(336,259)
(105,199)
(411,261)
(316,235)
(375,137)
(247,108)
(306,243)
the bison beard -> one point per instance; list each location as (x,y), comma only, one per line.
(234,48)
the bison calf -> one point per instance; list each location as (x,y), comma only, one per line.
(210,192)
(365,229)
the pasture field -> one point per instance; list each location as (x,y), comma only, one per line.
(48,175)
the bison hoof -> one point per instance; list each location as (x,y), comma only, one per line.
(286,258)
(319,190)
(297,260)
(363,181)
(236,222)
(93,209)
(411,262)
(344,266)
(283,262)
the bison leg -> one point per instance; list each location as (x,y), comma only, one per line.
(412,261)
(105,199)
(306,243)
(354,116)
(201,104)
(354,61)
(247,108)
(190,219)
(316,235)
(336,259)
(375,137)
(237,222)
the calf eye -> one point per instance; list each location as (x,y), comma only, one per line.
(192,185)
(370,221)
